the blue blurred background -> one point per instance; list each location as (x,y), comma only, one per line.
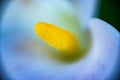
(109,11)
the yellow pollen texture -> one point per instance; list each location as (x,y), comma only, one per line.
(57,37)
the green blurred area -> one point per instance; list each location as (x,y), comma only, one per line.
(109,11)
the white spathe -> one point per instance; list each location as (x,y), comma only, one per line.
(98,64)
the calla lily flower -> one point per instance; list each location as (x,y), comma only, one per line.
(27,56)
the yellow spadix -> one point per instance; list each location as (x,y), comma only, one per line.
(57,37)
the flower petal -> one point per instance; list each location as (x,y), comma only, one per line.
(105,47)
(101,60)
(86,10)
